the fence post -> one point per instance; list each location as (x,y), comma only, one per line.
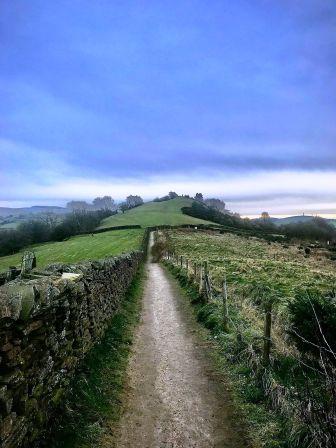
(225,305)
(207,286)
(195,271)
(187,267)
(205,269)
(181,262)
(200,289)
(267,334)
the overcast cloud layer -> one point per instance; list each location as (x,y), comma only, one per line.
(234,99)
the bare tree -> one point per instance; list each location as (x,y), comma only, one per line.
(265,216)
(50,218)
(123,207)
(104,203)
(215,203)
(133,201)
(78,205)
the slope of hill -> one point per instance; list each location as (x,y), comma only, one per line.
(155,214)
(8,211)
(79,248)
(292,219)
(296,219)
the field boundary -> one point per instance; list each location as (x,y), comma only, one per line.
(49,321)
(265,426)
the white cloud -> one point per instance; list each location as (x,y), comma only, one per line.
(281,192)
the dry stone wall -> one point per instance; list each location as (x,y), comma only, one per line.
(47,324)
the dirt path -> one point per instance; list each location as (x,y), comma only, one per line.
(173,397)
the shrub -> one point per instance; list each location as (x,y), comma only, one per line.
(313,323)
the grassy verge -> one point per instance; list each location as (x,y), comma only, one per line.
(266,428)
(96,390)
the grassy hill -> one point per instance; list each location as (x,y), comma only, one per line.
(79,248)
(155,214)
(292,219)
(297,219)
(105,244)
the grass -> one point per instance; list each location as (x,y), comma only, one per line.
(245,260)
(265,429)
(155,214)
(94,403)
(251,263)
(268,396)
(80,248)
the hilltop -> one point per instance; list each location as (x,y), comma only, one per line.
(155,214)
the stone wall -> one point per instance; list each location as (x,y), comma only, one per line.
(47,324)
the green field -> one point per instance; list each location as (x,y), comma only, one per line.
(247,260)
(249,264)
(79,248)
(271,395)
(109,243)
(155,214)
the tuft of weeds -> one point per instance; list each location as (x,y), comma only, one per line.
(95,393)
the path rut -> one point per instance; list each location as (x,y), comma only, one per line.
(174,399)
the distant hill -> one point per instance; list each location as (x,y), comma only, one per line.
(296,219)
(292,219)
(155,214)
(8,211)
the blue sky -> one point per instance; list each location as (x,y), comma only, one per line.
(236,99)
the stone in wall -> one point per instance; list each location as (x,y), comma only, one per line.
(47,325)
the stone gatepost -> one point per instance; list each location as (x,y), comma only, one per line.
(28,262)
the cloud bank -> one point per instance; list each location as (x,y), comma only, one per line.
(228,98)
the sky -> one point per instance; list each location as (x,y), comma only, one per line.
(234,99)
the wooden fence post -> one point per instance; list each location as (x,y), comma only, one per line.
(205,269)
(225,306)
(181,262)
(187,267)
(267,334)
(195,271)
(207,285)
(200,289)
